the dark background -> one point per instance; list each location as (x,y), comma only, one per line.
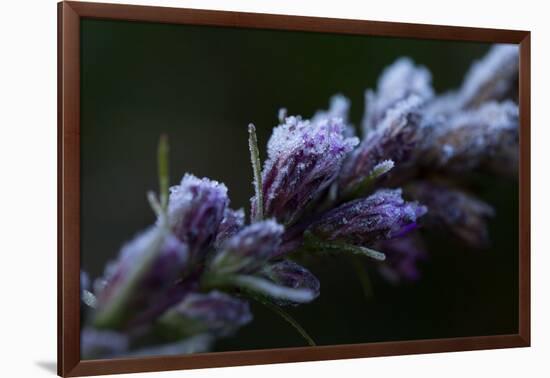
(202,86)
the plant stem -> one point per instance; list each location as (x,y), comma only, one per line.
(363,276)
(314,243)
(286,316)
(163,171)
(257,170)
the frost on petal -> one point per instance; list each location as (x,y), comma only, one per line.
(232,222)
(249,249)
(492,78)
(398,81)
(396,138)
(339,107)
(303,160)
(403,256)
(487,136)
(214,312)
(102,344)
(147,265)
(460,213)
(383,215)
(196,208)
(291,275)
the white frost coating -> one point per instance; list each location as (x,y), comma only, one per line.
(281,115)
(312,137)
(396,116)
(399,80)
(490,76)
(181,195)
(382,168)
(402,78)
(339,106)
(275,291)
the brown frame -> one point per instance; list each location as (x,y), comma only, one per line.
(69,15)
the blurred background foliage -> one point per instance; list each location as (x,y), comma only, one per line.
(202,86)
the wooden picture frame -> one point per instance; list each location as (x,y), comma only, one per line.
(69,17)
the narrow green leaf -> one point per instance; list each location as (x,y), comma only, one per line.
(257,171)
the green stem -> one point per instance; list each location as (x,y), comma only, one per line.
(257,170)
(314,243)
(286,316)
(163,171)
(366,183)
(363,276)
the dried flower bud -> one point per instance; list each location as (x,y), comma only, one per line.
(394,139)
(303,160)
(472,138)
(214,312)
(383,215)
(150,263)
(462,214)
(338,108)
(102,344)
(402,258)
(398,81)
(291,275)
(492,78)
(232,222)
(195,210)
(250,248)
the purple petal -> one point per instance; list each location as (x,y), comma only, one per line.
(214,312)
(196,209)
(291,275)
(303,160)
(383,215)
(250,248)
(232,222)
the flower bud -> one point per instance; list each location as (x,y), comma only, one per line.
(303,160)
(232,222)
(462,214)
(399,81)
(249,249)
(215,312)
(147,265)
(383,215)
(196,208)
(288,274)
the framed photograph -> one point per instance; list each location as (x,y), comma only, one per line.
(239,188)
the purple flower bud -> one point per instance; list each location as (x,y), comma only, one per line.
(232,222)
(250,248)
(196,209)
(214,312)
(303,160)
(383,215)
(288,274)
(399,81)
(395,138)
(469,139)
(462,214)
(147,265)
(102,344)
(402,258)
